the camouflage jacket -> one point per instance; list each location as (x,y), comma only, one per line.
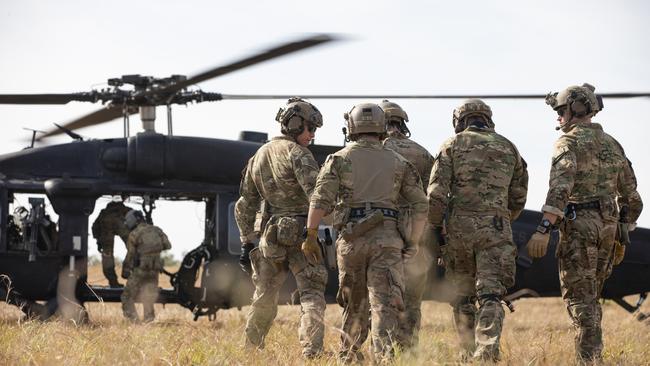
(283,174)
(590,165)
(477,170)
(145,240)
(366,172)
(110,221)
(413,152)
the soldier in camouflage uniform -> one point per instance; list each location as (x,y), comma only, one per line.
(591,181)
(416,269)
(362,184)
(142,265)
(279,179)
(480,182)
(109,223)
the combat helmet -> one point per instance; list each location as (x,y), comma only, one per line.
(469,108)
(582,101)
(365,118)
(393,111)
(396,117)
(133,218)
(295,113)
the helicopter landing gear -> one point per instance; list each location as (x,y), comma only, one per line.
(634,309)
(68,307)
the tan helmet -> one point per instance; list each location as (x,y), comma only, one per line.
(471,107)
(365,118)
(393,111)
(297,111)
(581,100)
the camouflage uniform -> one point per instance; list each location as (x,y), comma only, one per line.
(143,264)
(480,181)
(283,174)
(589,167)
(416,269)
(365,174)
(109,223)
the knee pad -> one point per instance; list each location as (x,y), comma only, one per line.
(462,301)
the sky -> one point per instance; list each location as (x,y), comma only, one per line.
(387,47)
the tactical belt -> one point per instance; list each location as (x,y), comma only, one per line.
(359,212)
(593,205)
(488,212)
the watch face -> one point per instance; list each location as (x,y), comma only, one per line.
(546,223)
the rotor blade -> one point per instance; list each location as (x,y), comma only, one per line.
(282,50)
(45,98)
(106,114)
(416,96)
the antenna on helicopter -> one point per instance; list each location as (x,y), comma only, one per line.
(73,135)
(33,136)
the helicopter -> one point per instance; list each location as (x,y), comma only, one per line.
(45,274)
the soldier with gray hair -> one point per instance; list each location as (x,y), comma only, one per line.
(479,183)
(277,182)
(593,200)
(362,183)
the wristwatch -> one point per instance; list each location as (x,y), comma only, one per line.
(544,227)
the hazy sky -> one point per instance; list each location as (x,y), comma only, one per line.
(391,47)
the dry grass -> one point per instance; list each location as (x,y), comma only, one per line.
(538,333)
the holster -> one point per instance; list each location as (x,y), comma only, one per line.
(330,250)
(354,230)
(622,233)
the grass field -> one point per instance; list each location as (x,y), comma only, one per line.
(537,333)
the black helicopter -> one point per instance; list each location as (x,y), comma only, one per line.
(43,266)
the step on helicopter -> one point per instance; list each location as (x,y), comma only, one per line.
(43,265)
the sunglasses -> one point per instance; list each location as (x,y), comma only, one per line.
(311,128)
(560,112)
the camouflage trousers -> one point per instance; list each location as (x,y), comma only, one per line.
(585,260)
(371,282)
(108,261)
(268,278)
(142,285)
(415,282)
(480,261)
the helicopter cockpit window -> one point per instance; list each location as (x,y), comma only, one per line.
(31,225)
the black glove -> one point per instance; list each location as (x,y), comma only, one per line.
(126,273)
(245,259)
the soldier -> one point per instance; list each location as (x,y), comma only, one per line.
(109,223)
(415,270)
(362,184)
(592,186)
(479,181)
(279,178)
(142,265)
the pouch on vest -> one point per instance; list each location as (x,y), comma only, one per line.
(261,218)
(269,245)
(608,208)
(354,230)
(290,231)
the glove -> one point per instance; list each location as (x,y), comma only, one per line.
(538,244)
(245,258)
(409,251)
(126,273)
(619,253)
(311,248)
